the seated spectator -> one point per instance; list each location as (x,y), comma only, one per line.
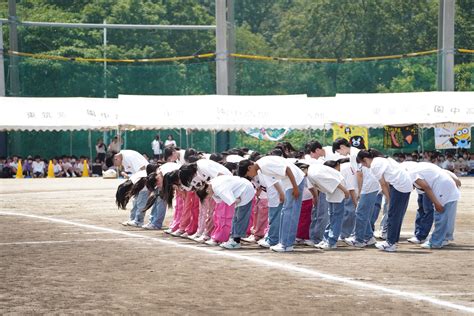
(38,167)
(461,168)
(67,167)
(28,167)
(470,165)
(97,168)
(448,164)
(57,168)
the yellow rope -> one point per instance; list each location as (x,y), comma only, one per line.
(240,56)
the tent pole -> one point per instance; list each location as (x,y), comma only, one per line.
(90,147)
(70,143)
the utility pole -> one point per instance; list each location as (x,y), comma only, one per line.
(2,70)
(225,45)
(446,45)
(14,73)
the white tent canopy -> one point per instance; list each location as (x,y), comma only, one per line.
(48,114)
(423,108)
(214,112)
(228,113)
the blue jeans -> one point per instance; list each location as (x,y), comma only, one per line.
(365,209)
(424,217)
(396,211)
(375,215)
(319,219)
(139,203)
(158,212)
(333,230)
(348,220)
(273,233)
(444,224)
(290,215)
(240,220)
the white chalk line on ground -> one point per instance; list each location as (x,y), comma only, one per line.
(264,262)
(60,241)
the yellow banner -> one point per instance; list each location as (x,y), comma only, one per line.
(358,136)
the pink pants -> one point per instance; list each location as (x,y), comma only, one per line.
(258,224)
(206,213)
(178,211)
(189,219)
(223,214)
(305,219)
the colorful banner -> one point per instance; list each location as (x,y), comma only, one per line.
(401,137)
(448,136)
(273,135)
(356,135)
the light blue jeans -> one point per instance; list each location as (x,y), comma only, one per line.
(139,203)
(273,233)
(363,214)
(444,224)
(158,212)
(333,230)
(319,219)
(348,220)
(290,215)
(240,220)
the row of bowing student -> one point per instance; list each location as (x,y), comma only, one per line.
(315,198)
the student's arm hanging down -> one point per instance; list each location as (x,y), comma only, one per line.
(296,192)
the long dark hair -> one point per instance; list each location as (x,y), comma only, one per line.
(169,179)
(122,196)
(202,192)
(187,172)
(370,153)
(137,187)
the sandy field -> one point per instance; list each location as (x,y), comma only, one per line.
(63,251)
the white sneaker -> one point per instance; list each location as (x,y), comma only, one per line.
(299,241)
(263,243)
(150,226)
(371,241)
(415,240)
(177,233)
(308,242)
(354,243)
(385,246)
(203,238)
(281,248)
(350,240)
(184,235)
(231,244)
(325,246)
(250,239)
(131,223)
(445,243)
(194,237)
(212,242)
(168,231)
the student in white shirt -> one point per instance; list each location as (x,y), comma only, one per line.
(329,180)
(237,191)
(38,167)
(292,182)
(157,147)
(194,175)
(170,142)
(441,188)
(396,186)
(133,162)
(316,153)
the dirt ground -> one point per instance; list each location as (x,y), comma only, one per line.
(63,251)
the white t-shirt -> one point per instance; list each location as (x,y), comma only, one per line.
(262,181)
(330,155)
(443,186)
(310,161)
(272,195)
(349,177)
(170,143)
(155,145)
(229,188)
(274,166)
(234,158)
(168,167)
(393,173)
(137,176)
(306,192)
(369,183)
(207,170)
(337,196)
(326,180)
(132,161)
(38,166)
